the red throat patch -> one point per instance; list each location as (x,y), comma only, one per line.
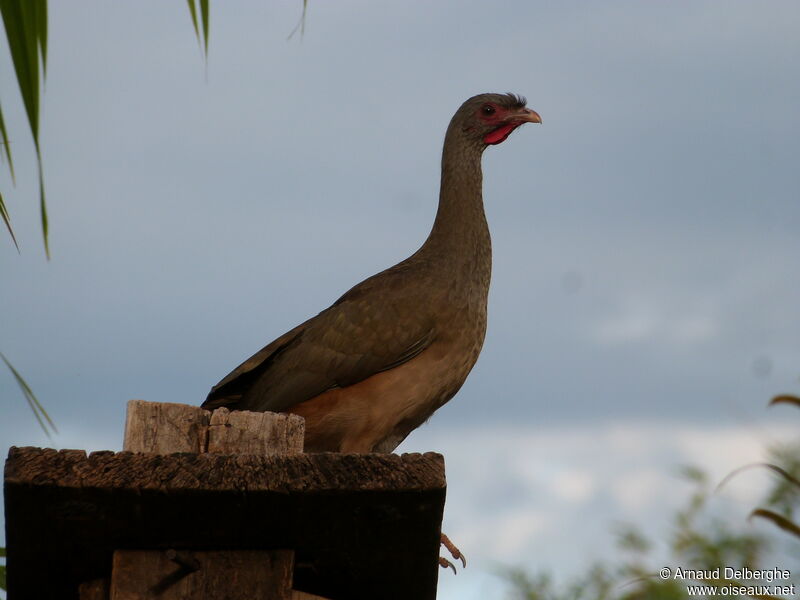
(500,134)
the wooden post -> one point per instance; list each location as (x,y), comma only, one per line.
(163,428)
(263,433)
(360,526)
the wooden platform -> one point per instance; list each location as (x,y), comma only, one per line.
(362,526)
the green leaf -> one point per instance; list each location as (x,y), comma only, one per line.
(777,519)
(43,209)
(26,32)
(204,16)
(7,221)
(782,472)
(20,20)
(301,25)
(202,37)
(193,12)
(5,147)
(785,399)
(41,26)
(39,412)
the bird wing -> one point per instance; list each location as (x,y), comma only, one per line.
(377,325)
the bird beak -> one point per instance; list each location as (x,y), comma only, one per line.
(526,115)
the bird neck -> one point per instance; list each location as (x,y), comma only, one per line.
(460,231)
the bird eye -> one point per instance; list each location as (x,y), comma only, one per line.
(487,109)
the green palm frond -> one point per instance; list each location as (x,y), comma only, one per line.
(45,422)
(5,154)
(777,519)
(25,24)
(301,24)
(7,221)
(202,37)
(783,473)
(26,32)
(5,147)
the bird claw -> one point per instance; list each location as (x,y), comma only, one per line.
(454,552)
(446,564)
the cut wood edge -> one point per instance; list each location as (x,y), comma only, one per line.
(165,427)
(263,433)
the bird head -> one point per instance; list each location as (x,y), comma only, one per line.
(488,119)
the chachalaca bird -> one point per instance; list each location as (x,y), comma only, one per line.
(375,365)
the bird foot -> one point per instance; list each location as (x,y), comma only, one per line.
(454,552)
(446,564)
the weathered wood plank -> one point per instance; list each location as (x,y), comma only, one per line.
(189,575)
(359,524)
(185,472)
(163,427)
(244,432)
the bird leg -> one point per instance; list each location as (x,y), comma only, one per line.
(454,552)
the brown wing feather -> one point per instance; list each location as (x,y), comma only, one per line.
(230,390)
(375,326)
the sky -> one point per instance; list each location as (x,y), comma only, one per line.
(645,291)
